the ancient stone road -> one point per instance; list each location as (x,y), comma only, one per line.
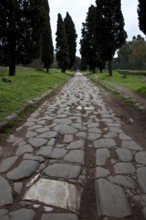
(43,171)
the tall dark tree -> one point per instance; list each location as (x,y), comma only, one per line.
(89,46)
(71,38)
(20,28)
(62,50)
(142,15)
(110,33)
(47,53)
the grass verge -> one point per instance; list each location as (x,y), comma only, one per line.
(132,82)
(27,85)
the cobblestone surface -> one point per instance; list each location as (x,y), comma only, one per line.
(51,145)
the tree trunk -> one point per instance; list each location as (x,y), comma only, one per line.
(93,70)
(100,70)
(110,67)
(12,69)
(47,70)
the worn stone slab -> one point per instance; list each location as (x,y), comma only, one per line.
(37,142)
(106,143)
(30,134)
(80,144)
(25,169)
(144,212)
(3,214)
(124,155)
(65,129)
(94,130)
(101,156)
(59,216)
(141,177)
(101,172)
(140,157)
(68,138)
(5,192)
(26,148)
(75,156)
(93,125)
(141,199)
(121,180)
(131,145)
(34,127)
(124,168)
(23,214)
(32,157)
(58,153)
(45,151)
(55,193)
(63,170)
(93,136)
(63,121)
(124,137)
(81,134)
(6,164)
(49,134)
(110,135)
(111,200)
(42,130)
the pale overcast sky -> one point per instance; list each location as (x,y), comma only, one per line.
(78,9)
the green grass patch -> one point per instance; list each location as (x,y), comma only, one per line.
(132,82)
(27,85)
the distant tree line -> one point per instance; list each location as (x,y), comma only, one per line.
(132,55)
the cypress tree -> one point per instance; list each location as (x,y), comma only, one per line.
(47,55)
(71,37)
(21,25)
(62,51)
(110,34)
(142,15)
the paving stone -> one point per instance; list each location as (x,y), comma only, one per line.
(5,192)
(49,134)
(6,164)
(101,172)
(55,193)
(42,130)
(23,214)
(30,134)
(124,137)
(81,134)
(93,136)
(32,157)
(93,125)
(131,145)
(75,156)
(80,144)
(63,170)
(58,153)
(68,138)
(141,157)
(26,148)
(144,212)
(52,142)
(45,151)
(59,216)
(37,142)
(18,187)
(141,177)
(94,130)
(125,181)
(65,129)
(63,121)
(115,130)
(3,214)
(124,155)
(25,169)
(101,156)
(111,200)
(106,143)
(110,135)
(124,168)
